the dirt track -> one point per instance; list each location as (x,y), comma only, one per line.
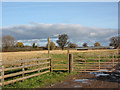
(71,82)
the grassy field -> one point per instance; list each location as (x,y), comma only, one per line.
(10,56)
(54,77)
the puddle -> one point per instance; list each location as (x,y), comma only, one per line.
(109,76)
(118,75)
(81,80)
(77,86)
(84,82)
(103,70)
(108,66)
(97,75)
(91,72)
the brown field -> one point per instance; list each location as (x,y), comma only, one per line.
(10,56)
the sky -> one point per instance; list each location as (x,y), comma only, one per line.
(88,14)
(82,21)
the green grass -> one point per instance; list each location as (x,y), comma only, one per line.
(59,57)
(41,81)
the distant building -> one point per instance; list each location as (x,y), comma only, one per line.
(92,48)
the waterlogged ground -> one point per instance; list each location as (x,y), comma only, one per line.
(90,80)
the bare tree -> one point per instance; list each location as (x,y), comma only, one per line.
(7,41)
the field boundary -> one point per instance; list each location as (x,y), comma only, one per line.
(22,71)
(85,64)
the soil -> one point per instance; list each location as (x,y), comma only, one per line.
(87,80)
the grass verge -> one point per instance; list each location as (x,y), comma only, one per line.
(41,81)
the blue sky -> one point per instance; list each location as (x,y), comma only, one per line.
(93,14)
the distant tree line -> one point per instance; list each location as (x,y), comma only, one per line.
(9,41)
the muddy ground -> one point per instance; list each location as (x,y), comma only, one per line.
(87,80)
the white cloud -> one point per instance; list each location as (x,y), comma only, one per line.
(77,33)
(93,34)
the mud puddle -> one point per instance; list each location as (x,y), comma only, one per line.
(101,79)
(107,76)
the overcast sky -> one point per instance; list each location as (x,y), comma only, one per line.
(83,22)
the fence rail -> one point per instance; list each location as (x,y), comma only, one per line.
(86,64)
(46,62)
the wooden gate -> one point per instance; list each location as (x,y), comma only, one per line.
(59,65)
(92,64)
(62,63)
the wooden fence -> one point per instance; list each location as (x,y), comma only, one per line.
(24,68)
(14,71)
(96,64)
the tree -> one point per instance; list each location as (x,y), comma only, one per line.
(85,45)
(97,44)
(62,42)
(34,46)
(7,41)
(52,46)
(19,44)
(73,45)
(115,41)
(111,44)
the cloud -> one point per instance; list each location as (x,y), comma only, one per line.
(93,34)
(76,32)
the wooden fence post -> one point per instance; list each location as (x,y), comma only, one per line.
(70,63)
(48,47)
(85,63)
(50,65)
(68,57)
(22,64)
(38,67)
(113,60)
(2,74)
(99,62)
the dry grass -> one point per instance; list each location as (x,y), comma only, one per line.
(10,56)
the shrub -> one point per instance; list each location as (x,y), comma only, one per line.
(34,46)
(73,45)
(52,46)
(85,45)
(19,44)
(97,44)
